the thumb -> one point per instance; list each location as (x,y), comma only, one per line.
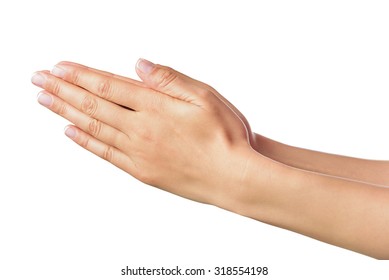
(180,86)
(168,81)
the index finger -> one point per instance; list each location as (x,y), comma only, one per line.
(111,88)
(105,73)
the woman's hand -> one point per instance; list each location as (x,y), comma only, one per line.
(182,136)
(172,132)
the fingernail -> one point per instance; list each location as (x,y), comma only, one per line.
(38,79)
(45,99)
(70,132)
(58,71)
(145,66)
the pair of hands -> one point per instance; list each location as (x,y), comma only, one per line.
(169,131)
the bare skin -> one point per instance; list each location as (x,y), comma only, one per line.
(369,171)
(212,156)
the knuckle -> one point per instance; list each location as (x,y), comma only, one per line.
(209,88)
(54,87)
(74,77)
(84,142)
(123,143)
(89,105)
(204,92)
(94,127)
(145,134)
(108,154)
(60,108)
(145,177)
(119,140)
(164,78)
(104,89)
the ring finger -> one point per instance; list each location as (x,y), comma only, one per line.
(93,127)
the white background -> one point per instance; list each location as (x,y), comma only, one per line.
(307,73)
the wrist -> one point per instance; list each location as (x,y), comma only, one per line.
(267,147)
(266,189)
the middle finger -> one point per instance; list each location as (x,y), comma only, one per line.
(89,104)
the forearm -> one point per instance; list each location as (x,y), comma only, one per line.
(370,171)
(344,213)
